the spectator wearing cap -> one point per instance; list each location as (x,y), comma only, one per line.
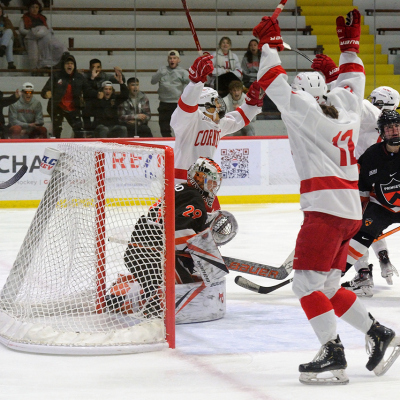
(171,79)
(97,75)
(135,113)
(64,90)
(26,116)
(5,102)
(106,110)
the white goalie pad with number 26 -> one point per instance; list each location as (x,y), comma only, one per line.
(206,257)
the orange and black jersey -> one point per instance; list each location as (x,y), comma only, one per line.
(380,171)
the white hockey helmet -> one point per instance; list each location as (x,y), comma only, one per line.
(205,175)
(385,98)
(209,98)
(313,83)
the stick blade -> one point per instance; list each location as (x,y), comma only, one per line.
(15,178)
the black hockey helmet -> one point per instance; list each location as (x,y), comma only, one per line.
(389,127)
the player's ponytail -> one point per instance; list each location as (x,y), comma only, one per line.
(330,111)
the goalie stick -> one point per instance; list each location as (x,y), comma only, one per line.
(246,284)
(15,178)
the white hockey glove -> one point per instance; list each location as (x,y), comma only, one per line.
(206,257)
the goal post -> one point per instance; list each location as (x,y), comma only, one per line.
(68,289)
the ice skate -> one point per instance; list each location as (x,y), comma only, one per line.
(387,268)
(330,358)
(377,341)
(362,283)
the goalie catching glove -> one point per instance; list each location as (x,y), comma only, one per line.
(201,68)
(327,66)
(224,226)
(268,31)
(349,32)
(253,96)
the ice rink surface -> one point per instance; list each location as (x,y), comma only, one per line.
(252,353)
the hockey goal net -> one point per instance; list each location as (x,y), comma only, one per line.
(66,290)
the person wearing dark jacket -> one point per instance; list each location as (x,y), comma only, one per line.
(64,91)
(106,110)
(5,102)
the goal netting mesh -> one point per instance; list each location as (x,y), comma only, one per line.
(70,290)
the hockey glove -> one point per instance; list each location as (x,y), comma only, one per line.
(201,68)
(349,32)
(327,66)
(253,97)
(268,31)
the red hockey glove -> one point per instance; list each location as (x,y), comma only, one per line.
(253,97)
(268,31)
(201,68)
(327,66)
(349,32)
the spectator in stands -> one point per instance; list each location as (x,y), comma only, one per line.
(135,113)
(26,116)
(65,90)
(97,75)
(226,67)
(7,33)
(106,110)
(172,79)
(5,102)
(250,63)
(44,50)
(234,100)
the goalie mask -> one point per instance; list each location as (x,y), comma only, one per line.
(211,103)
(385,98)
(389,127)
(313,83)
(205,175)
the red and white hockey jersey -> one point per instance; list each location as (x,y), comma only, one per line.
(197,135)
(368,129)
(322,147)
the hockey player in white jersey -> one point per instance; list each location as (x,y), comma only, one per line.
(322,129)
(381,98)
(199,121)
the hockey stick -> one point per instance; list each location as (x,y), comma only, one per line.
(279,9)
(256,269)
(246,284)
(194,34)
(15,178)
(287,46)
(383,235)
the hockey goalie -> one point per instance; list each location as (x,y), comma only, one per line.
(199,267)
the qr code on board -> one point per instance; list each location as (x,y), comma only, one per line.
(235,163)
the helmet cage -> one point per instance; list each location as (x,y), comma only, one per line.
(212,178)
(389,127)
(207,101)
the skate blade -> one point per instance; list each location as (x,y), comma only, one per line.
(384,366)
(389,280)
(338,377)
(364,291)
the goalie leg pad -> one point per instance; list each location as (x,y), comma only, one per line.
(206,257)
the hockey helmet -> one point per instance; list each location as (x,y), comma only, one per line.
(389,127)
(209,102)
(313,83)
(205,175)
(385,98)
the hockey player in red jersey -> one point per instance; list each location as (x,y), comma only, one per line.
(199,121)
(322,129)
(381,98)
